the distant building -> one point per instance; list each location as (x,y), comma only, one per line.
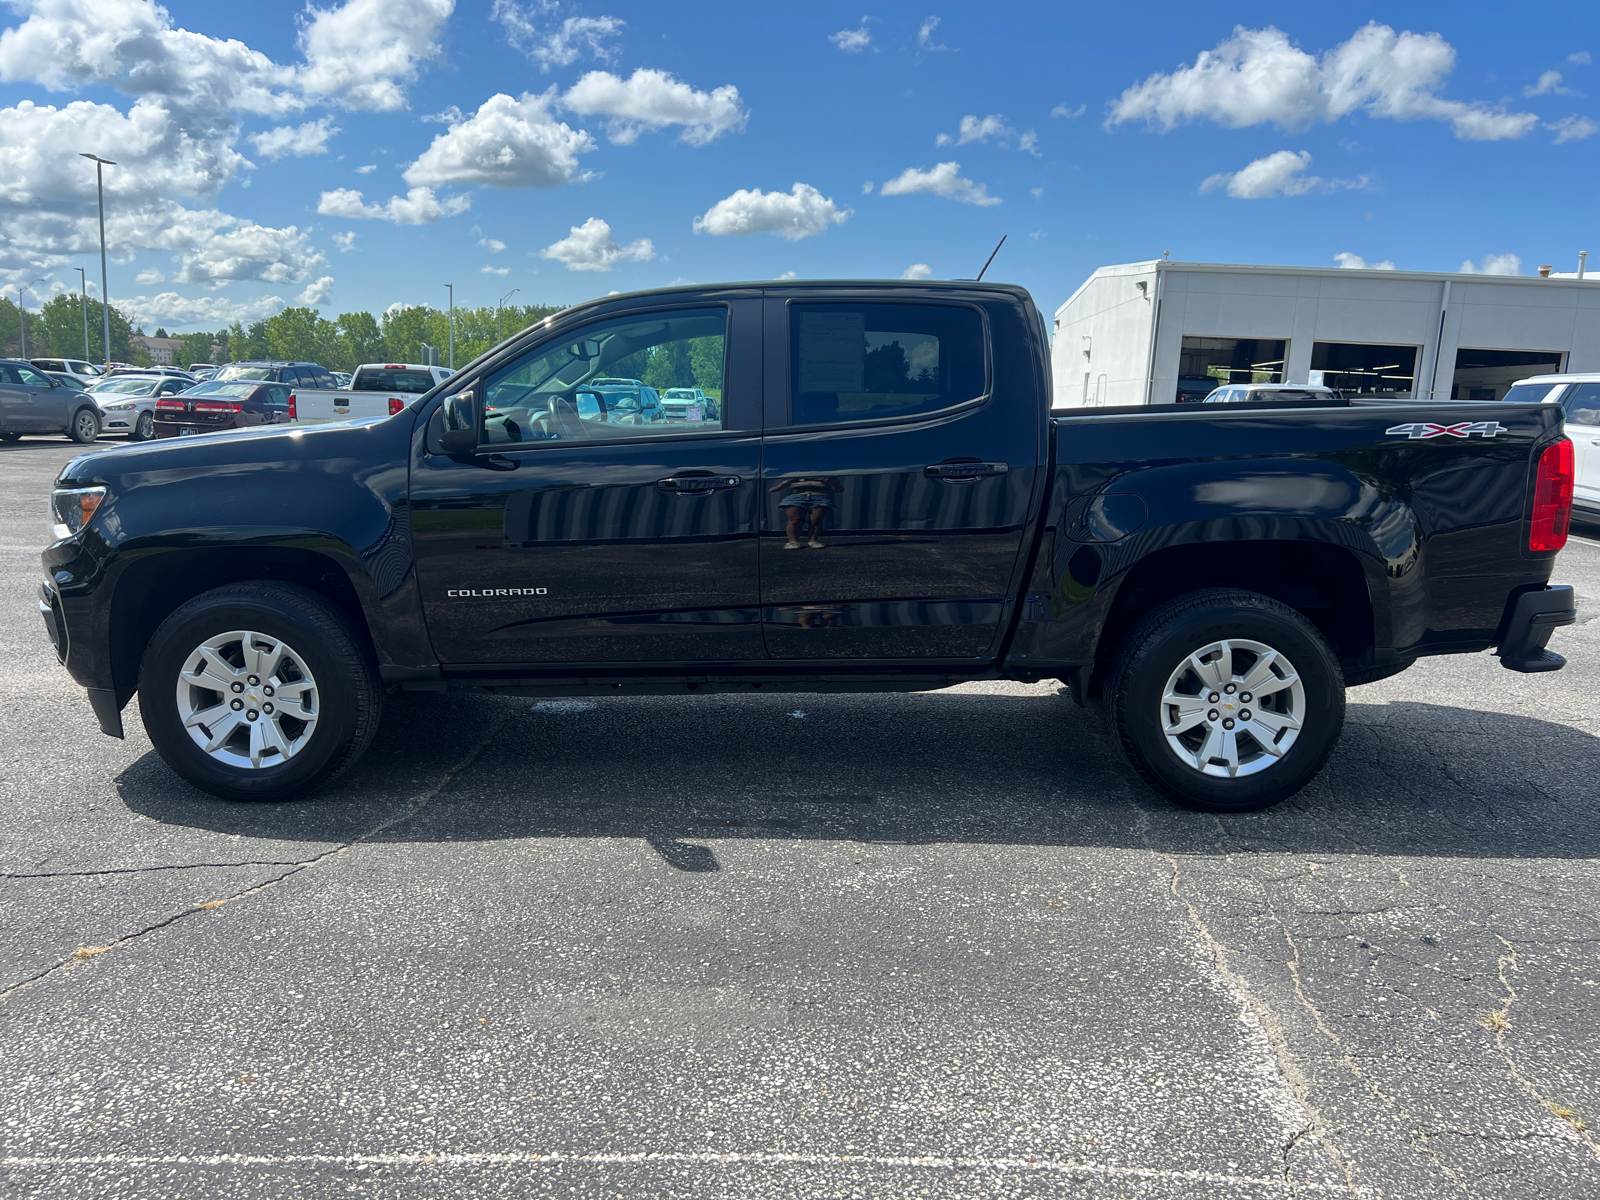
(1150,332)
(164,351)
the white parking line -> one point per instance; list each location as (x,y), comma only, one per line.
(701,1158)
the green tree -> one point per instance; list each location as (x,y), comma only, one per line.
(10,329)
(405,329)
(669,366)
(160,332)
(301,334)
(360,340)
(247,345)
(196,348)
(706,356)
(62,319)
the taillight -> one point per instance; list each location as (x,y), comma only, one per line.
(293,414)
(171,406)
(1552,498)
(218,406)
(395,405)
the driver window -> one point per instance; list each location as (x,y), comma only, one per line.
(1583,404)
(646,375)
(31,377)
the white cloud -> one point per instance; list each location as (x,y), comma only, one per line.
(1028,143)
(944,180)
(1258,77)
(146,278)
(925,35)
(1494,264)
(492,245)
(866,188)
(651,100)
(1549,84)
(1071,114)
(316,292)
(787,275)
(451,115)
(559,45)
(1037,192)
(367,170)
(507,143)
(364,53)
(917,271)
(1573,129)
(419,206)
(801,212)
(501,271)
(590,247)
(207,312)
(974,130)
(295,140)
(1278,174)
(1582,58)
(852,41)
(345,241)
(1354,262)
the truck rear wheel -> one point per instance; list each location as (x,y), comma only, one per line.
(1226,701)
(259,691)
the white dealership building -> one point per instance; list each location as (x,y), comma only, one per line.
(1146,333)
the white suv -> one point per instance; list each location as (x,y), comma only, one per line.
(1579,397)
(84,373)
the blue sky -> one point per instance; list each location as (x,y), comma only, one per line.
(1426,136)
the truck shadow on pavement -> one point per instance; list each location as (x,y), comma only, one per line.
(687,773)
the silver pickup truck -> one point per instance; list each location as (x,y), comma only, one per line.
(376,390)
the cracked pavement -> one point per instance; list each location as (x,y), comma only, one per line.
(932,945)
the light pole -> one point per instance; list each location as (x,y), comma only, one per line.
(83,303)
(22,312)
(498,336)
(452,289)
(100,164)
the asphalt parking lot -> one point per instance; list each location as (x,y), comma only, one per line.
(937,945)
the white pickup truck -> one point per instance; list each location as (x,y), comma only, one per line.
(377,390)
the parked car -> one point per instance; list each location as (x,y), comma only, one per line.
(1218,575)
(33,402)
(632,405)
(1579,398)
(172,372)
(199,369)
(609,382)
(72,381)
(211,407)
(1192,389)
(128,402)
(678,403)
(300,376)
(376,390)
(85,372)
(1248,393)
(341,379)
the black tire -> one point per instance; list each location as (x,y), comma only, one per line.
(1162,643)
(144,429)
(85,426)
(349,693)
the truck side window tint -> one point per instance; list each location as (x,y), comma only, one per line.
(1583,404)
(866,362)
(601,382)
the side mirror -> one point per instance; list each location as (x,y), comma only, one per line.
(587,350)
(462,421)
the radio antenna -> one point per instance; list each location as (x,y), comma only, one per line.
(990,259)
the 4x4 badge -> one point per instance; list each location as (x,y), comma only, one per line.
(1427,429)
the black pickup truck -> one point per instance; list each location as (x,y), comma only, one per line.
(881,500)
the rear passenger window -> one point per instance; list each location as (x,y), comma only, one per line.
(1583,404)
(870,361)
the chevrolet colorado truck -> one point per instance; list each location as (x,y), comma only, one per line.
(884,502)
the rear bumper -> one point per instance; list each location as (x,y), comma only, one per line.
(1532,617)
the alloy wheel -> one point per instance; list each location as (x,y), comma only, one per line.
(1233,707)
(145,427)
(247,699)
(87,428)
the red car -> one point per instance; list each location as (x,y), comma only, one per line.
(209,407)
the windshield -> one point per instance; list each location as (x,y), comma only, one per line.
(392,379)
(678,394)
(245,373)
(620,399)
(128,386)
(1532,393)
(237,391)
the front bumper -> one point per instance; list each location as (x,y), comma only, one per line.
(1534,616)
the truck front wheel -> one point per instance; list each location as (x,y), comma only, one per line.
(1226,701)
(259,691)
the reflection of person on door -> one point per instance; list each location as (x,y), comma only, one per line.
(809,496)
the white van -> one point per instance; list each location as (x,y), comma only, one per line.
(1579,397)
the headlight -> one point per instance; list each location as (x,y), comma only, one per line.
(73,507)
(126,406)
